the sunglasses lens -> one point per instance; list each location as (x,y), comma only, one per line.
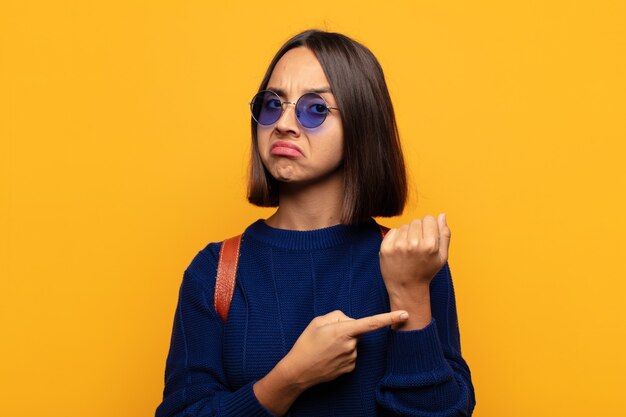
(311,110)
(266,107)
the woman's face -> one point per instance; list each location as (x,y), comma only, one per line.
(290,152)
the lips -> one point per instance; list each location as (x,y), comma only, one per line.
(284,148)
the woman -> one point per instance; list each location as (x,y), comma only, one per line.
(327,317)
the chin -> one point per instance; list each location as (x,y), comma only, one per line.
(285,174)
(284,179)
(289,175)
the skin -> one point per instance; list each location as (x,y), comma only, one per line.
(311,190)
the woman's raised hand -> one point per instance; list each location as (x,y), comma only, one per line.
(410,256)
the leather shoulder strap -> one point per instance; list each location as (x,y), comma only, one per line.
(226,273)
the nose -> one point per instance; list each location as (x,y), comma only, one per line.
(288,121)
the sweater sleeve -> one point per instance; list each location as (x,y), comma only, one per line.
(195,383)
(426,374)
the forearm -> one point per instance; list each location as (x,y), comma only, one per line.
(422,380)
(277,390)
(423,364)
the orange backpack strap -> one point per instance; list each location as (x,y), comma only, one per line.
(226,273)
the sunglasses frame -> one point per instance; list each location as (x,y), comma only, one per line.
(295,105)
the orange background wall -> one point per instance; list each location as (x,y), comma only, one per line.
(124,134)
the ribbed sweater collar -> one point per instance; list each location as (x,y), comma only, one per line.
(308,239)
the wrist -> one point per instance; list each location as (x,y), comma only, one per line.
(402,297)
(290,376)
(277,390)
(416,301)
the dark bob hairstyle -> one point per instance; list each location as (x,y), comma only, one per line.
(374,173)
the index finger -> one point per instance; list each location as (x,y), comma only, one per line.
(355,328)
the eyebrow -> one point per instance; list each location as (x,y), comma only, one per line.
(282,92)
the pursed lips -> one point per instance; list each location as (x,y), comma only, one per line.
(284,148)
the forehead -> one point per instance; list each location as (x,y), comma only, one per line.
(298,69)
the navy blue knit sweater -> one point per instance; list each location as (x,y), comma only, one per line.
(285,279)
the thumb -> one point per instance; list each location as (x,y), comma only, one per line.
(444,235)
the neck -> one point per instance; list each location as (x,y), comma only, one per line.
(309,207)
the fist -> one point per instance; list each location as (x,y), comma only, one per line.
(411,255)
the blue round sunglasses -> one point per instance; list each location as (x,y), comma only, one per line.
(311,108)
